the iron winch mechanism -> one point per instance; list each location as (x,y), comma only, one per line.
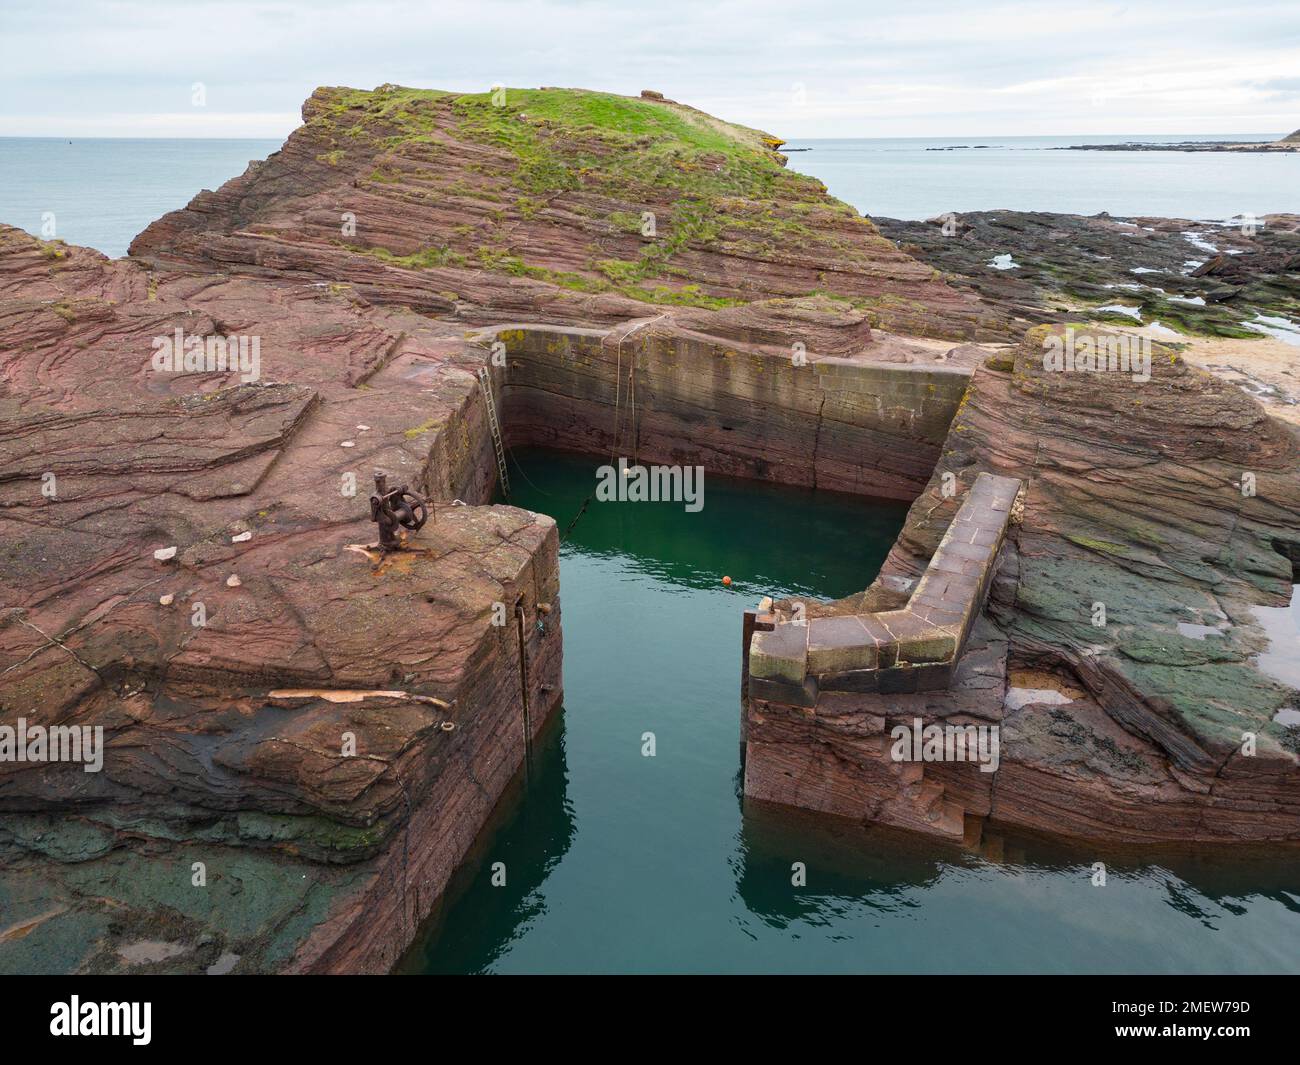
(394,510)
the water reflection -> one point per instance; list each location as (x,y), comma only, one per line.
(995,896)
(618,862)
(531,831)
(1281,624)
(771,539)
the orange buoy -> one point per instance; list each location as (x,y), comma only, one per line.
(726,580)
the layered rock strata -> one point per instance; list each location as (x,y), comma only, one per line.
(301,739)
(227,737)
(550,206)
(1120,656)
(659,286)
(1194,278)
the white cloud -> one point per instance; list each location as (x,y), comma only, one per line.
(867,68)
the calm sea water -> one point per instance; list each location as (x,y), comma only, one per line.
(618,862)
(904,178)
(103,192)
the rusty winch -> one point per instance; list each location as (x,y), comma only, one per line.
(394,509)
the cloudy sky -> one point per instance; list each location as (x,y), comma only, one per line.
(801,68)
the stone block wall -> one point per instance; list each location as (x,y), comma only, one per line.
(671,396)
(912,649)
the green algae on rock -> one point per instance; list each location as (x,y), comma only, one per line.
(1194,278)
(607,206)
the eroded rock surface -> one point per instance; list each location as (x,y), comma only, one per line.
(1193,278)
(253,495)
(559,206)
(1131,582)
(375,258)
(178,536)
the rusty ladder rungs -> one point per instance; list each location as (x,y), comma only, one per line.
(485,379)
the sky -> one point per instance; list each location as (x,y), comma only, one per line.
(799,68)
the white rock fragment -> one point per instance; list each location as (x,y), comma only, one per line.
(363,428)
(241,537)
(348,443)
(166,600)
(233,581)
(1118,308)
(164,553)
(150,950)
(223,965)
(1017,697)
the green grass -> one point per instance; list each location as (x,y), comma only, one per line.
(424,259)
(710,183)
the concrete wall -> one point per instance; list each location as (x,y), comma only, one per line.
(680,398)
(913,649)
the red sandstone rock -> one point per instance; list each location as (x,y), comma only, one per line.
(1131,500)
(1134,501)
(453,217)
(96,630)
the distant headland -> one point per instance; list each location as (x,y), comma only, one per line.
(1290,143)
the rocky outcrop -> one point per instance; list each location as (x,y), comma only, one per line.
(187,444)
(1193,278)
(303,739)
(1119,661)
(1286,144)
(550,206)
(314,733)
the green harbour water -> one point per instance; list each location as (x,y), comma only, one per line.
(620,863)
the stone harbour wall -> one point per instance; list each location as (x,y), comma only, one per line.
(666,395)
(912,649)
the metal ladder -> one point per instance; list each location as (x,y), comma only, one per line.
(485,378)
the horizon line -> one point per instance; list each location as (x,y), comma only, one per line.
(1269,137)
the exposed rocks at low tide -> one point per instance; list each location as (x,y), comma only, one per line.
(1286,144)
(1195,278)
(1226,293)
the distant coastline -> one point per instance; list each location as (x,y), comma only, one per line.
(1286,144)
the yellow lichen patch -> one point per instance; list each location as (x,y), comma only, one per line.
(421,429)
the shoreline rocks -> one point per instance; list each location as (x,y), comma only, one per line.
(1286,144)
(313,835)
(1161,735)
